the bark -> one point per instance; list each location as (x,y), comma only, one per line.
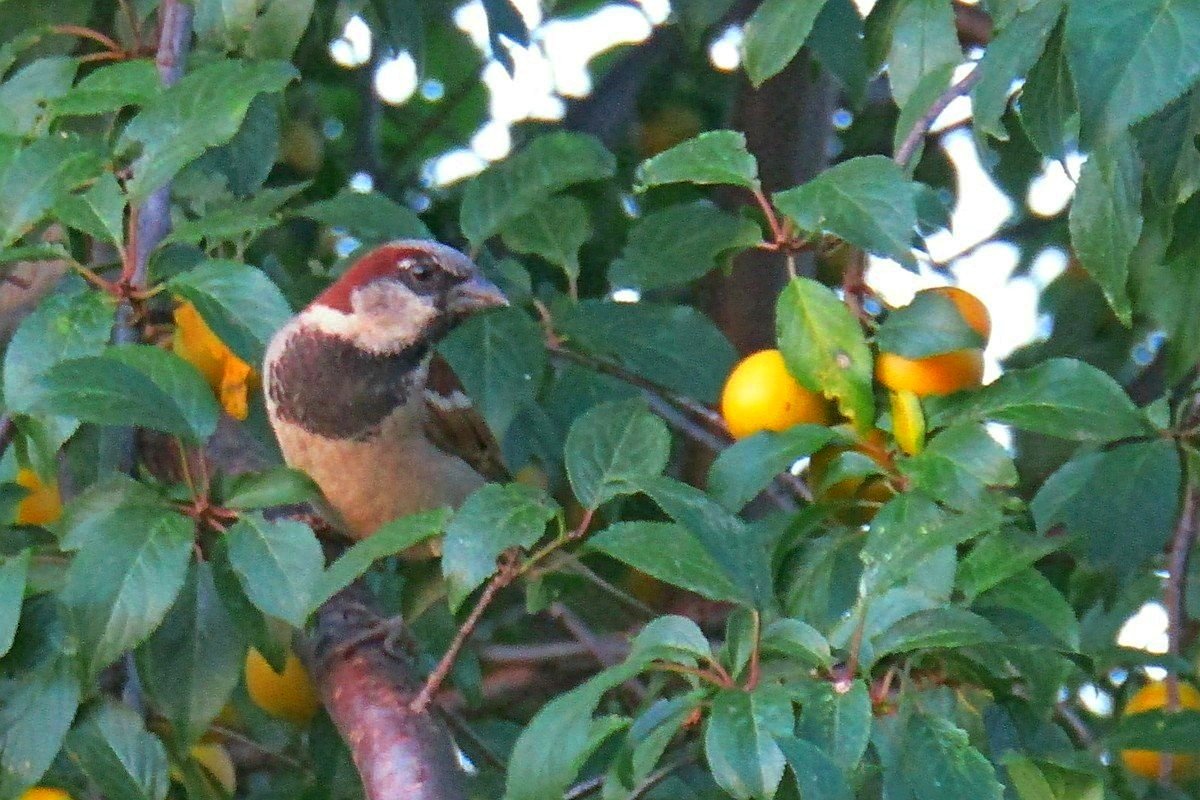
(367,687)
(788,125)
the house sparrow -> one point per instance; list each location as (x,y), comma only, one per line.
(346,380)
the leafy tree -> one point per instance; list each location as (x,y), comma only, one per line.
(649,609)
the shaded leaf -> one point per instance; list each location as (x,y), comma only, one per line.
(824,348)
(678,244)
(713,157)
(615,449)
(493,519)
(670,553)
(278,565)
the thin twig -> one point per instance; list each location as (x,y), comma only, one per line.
(586,637)
(246,741)
(1174,598)
(908,148)
(697,410)
(509,571)
(594,783)
(8,430)
(89,33)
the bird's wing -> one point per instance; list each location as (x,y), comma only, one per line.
(455,426)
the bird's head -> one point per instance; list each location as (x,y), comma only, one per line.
(401,293)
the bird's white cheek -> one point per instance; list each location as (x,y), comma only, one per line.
(386,319)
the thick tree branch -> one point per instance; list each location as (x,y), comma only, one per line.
(368,690)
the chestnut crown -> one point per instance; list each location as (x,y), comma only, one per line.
(415,272)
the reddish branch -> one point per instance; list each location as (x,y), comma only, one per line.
(1175,592)
(908,148)
(368,689)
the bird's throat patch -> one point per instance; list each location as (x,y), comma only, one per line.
(328,386)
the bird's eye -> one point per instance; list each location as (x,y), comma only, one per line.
(422,272)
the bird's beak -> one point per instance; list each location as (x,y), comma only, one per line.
(473,295)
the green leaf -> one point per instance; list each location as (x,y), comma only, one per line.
(191,664)
(98,212)
(867,201)
(14,571)
(241,304)
(928,326)
(923,40)
(116,751)
(911,527)
(732,544)
(1007,58)
(948,767)
(234,221)
(1130,58)
(67,325)
(1106,219)
(203,110)
(279,28)
(511,188)
(837,42)
(797,640)
(999,556)
(1119,503)
(675,347)
(37,178)
(553,229)
(277,564)
(1164,731)
(186,389)
(493,519)
(671,638)
(133,384)
(614,449)
(824,348)
(110,88)
(278,486)
(838,722)
(1049,110)
(775,33)
(1044,780)
(670,553)
(536,771)
(27,95)
(947,627)
(713,157)
(680,243)
(1170,159)
(739,740)
(370,217)
(36,709)
(959,464)
(114,500)
(1060,397)
(121,584)
(390,539)
(1031,597)
(818,777)
(500,357)
(747,467)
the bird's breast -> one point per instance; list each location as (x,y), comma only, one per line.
(330,387)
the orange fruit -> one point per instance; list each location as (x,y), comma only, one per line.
(970,307)
(288,695)
(42,505)
(229,376)
(945,373)
(1148,763)
(761,395)
(45,793)
(908,421)
(215,759)
(863,491)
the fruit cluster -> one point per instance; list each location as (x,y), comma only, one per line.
(760,394)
